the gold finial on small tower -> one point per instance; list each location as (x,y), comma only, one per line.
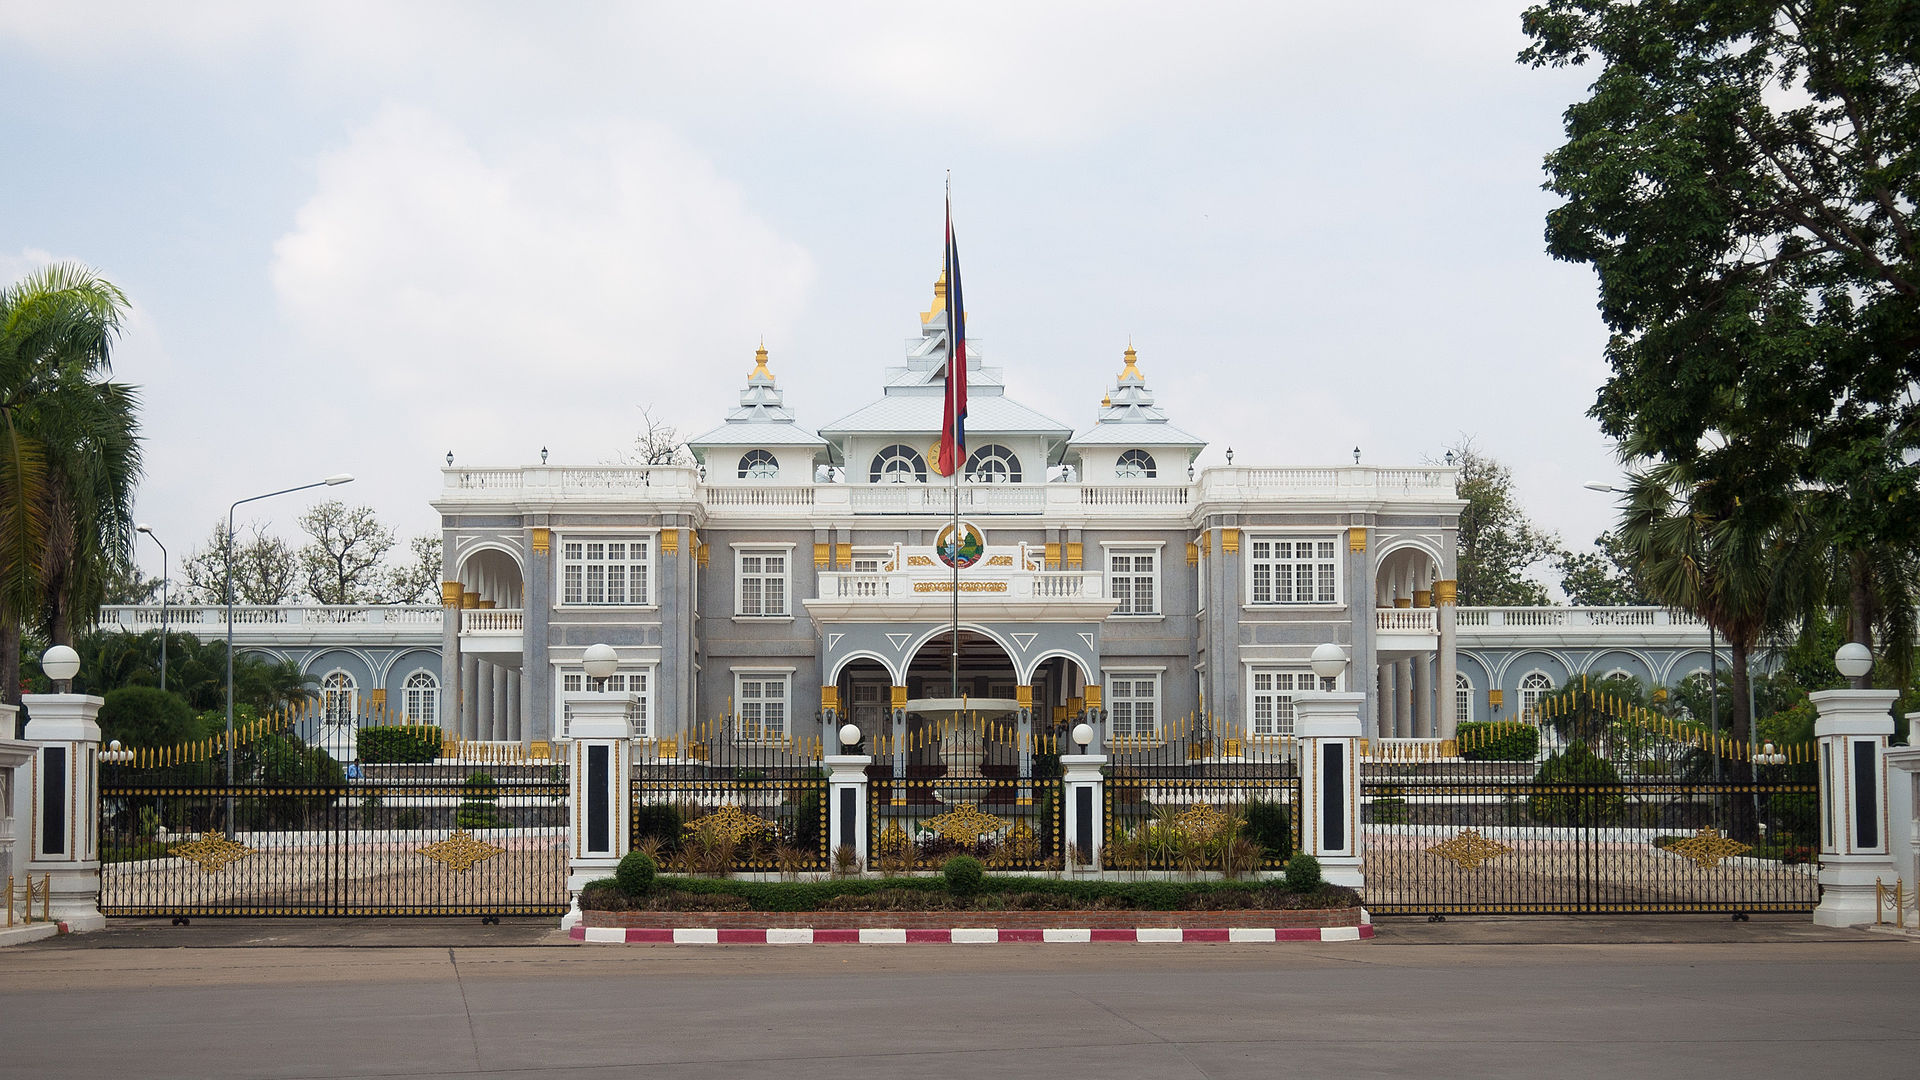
(939,307)
(760,364)
(1106,402)
(1131,373)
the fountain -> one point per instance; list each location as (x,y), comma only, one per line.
(963,743)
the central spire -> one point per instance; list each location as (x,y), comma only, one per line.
(760,371)
(939,307)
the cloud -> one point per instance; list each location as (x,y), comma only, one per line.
(546,283)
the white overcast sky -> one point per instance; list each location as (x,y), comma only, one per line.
(359,235)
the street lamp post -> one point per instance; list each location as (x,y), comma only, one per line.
(332,481)
(148,529)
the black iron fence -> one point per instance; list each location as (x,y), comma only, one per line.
(967,784)
(1198,798)
(712,802)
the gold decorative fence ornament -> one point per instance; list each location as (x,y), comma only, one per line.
(213,851)
(1201,821)
(460,851)
(1469,849)
(731,822)
(1707,847)
(966,824)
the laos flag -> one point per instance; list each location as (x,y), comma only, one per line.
(953,434)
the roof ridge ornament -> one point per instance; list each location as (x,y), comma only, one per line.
(939,307)
(760,364)
(1131,373)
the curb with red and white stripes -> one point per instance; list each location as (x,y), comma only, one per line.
(803,935)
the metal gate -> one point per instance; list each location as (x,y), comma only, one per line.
(1594,822)
(723,799)
(1196,799)
(479,833)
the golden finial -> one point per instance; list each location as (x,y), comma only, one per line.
(939,307)
(1106,401)
(1131,373)
(760,364)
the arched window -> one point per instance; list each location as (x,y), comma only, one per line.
(759,465)
(1135,465)
(339,698)
(898,464)
(421,698)
(993,464)
(1532,688)
(1462,697)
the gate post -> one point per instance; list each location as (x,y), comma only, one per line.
(1852,731)
(61,802)
(847,814)
(601,800)
(1328,727)
(1903,795)
(1086,810)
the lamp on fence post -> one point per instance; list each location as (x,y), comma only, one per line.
(1853,729)
(601,807)
(847,825)
(1328,728)
(1081,777)
(62,837)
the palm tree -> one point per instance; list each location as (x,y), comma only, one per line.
(1705,547)
(69,456)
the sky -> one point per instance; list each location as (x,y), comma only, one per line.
(359,235)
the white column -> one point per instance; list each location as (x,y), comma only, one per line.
(1329,729)
(602,809)
(1086,809)
(1389,673)
(1852,731)
(1422,698)
(501,714)
(469,697)
(516,722)
(63,805)
(1446,615)
(847,805)
(1903,799)
(1403,699)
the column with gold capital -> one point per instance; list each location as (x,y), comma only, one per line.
(1445,697)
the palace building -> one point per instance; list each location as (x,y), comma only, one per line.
(793,567)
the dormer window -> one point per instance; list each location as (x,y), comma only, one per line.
(898,464)
(993,464)
(759,465)
(1135,465)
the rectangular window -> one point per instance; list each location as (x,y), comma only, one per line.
(620,682)
(1133,578)
(606,572)
(1133,706)
(763,706)
(762,582)
(1272,699)
(1288,571)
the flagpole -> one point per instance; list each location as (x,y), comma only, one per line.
(953,467)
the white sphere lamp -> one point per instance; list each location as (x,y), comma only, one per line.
(1083,733)
(849,734)
(60,663)
(1853,659)
(1328,660)
(600,662)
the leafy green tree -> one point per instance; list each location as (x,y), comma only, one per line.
(1497,543)
(69,456)
(148,716)
(1743,179)
(1604,577)
(196,671)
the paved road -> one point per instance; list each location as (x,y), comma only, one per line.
(1779,999)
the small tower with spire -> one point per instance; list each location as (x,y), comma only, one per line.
(1132,440)
(771,448)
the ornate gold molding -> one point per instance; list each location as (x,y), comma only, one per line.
(1230,541)
(821,554)
(1357,538)
(1423,598)
(213,851)
(1444,592)
(542,540)
(1469,849)
(965,586)
(1093,697)
(731,822)
(1053,556)
(1193,554)
(1073,555)
(669,541)
(843,555)
(1707,847)
(450,593)
(898,697)
(469,599)
(1023,696)
(965,823)
(460,851)
(830,697)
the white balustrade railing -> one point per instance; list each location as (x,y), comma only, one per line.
(751,496)
(186,617)
(671,481)
(1135,495)
(492,621)
(1018,585)
(1522,619)
(1418,620)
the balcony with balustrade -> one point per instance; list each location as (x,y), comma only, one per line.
(285,624)
(493,634)
(1007,583)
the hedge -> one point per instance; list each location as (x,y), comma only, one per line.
(813,895)
(398,744)
(1502,740)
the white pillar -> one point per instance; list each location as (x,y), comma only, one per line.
(469,697)
(502,716)
(1086,810)
(1403,699)
(1389,677)
(1852,730)
(1329,729)
(63,806)
(1445,615)
(847,806)
(1422,698)
(602,806)
(1903,799)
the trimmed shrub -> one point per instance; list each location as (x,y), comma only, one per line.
(478,809)
(635,873)
(397,744)
(964,875)
(148,716)
(1503,740)
(676,893)
(1270,824)
(665,822)
(1583,800)
(1303,873)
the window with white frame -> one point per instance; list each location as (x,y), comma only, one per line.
(1285,570)
(633,682)
(420,698)
(596,572)
(1133,705)
(1271,696)
(1462,697)
(339,698)
(868,563)
(761,581)
(1535,686)
(762,704)
(898,464)
(1133,577)
(759,465)
(993,464)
